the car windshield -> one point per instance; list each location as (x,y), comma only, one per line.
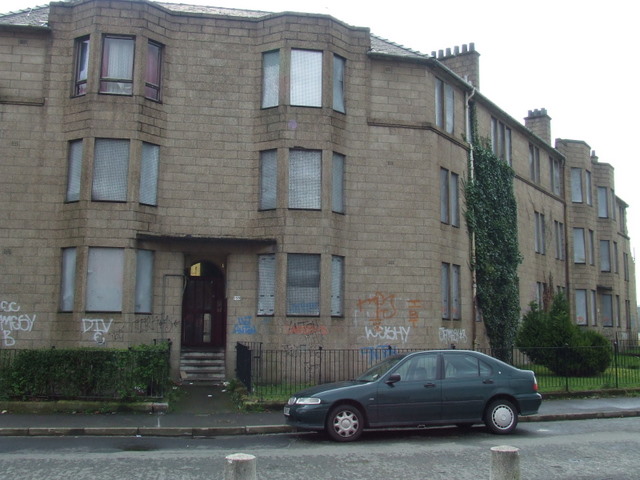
(379,369)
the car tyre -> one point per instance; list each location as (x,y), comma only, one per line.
(501,417)
(345,423)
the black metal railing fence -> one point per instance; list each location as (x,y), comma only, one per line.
(277,373)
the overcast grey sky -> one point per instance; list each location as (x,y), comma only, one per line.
(577,59)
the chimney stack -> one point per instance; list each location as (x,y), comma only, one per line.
(539,123)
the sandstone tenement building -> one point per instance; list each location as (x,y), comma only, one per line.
(214,176)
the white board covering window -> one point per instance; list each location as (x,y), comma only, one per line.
(270,78)
(576,185)
(337,186)
(268,179)
(74,173)
(105,274)
(603,203)
(149,174)
(338,83)
(266,284)
(68,279)
(110,170)
(144,281)
(605,256)
(337,286)
(579,252)
(303,284)
(445,298)
(305,179)
(581,307)
(306,78)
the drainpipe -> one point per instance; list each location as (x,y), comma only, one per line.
(469,133)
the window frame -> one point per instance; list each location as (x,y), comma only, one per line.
(339,76)
(266,290)
(123,83)
(580,259)
(153,90)
(145,263)
(337,285)
(534,163)
(501,142)
(338,165)
(149,174)
(577,192)
(603,202)
(540,232)
(82,46)
(445,106)
(74,170)
(268,199)
(450,293)
(68,262)
(449,197)
(270,80)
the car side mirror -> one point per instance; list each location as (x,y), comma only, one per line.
(393,378)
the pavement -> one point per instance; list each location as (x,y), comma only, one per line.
(206,411)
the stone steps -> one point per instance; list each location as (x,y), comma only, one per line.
(202,366)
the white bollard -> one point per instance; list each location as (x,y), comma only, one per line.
(505,463)
(240,466)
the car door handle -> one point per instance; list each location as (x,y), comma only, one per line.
(429,385)
(488,381)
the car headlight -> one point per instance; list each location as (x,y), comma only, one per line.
(308,401)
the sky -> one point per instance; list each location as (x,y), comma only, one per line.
(576,58)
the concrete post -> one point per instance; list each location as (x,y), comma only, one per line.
(505,463)
(240,466)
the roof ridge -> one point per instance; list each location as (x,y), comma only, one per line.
(398,45)
(26,10)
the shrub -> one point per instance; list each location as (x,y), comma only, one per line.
(552,340)
(87,372)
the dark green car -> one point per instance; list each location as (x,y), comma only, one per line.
(440,387)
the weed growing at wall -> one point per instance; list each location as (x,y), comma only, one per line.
(140,371)
(491,215)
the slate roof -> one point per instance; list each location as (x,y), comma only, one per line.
(38,17)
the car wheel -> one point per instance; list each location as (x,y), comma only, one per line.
(345,423)
(501,416)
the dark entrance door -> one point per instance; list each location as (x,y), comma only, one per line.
(204,309)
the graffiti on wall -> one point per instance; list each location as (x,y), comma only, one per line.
(155,324)
(244,326)
(98,327)
(383,314)
(452,335)
(12,321)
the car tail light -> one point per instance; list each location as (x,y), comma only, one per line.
(535,384)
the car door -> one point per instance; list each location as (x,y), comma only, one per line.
(467,384)
(415,397)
